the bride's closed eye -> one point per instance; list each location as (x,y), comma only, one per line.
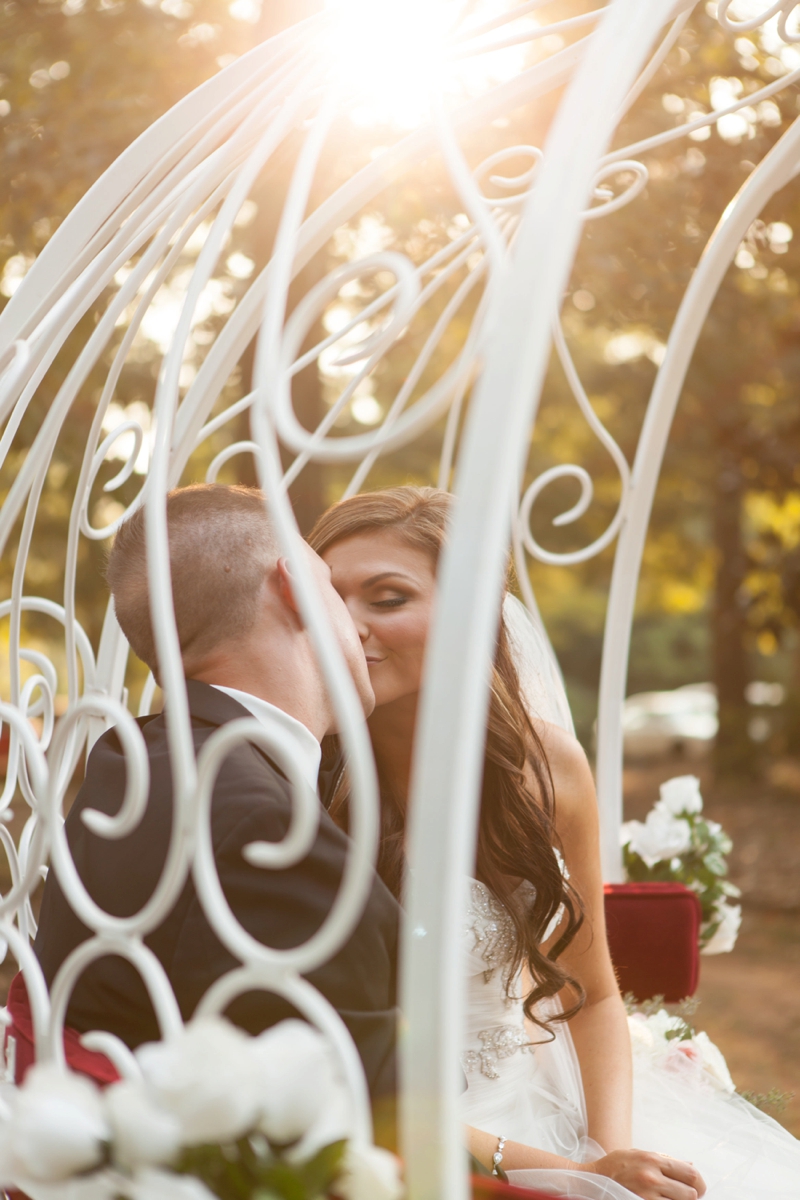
(392,602)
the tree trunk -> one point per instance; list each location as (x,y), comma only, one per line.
(733,750)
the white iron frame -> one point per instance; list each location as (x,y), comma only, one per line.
(201,160)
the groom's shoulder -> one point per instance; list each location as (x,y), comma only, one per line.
(246,779)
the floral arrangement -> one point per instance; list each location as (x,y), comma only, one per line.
(669,1041)
(676,842)
(211,1115)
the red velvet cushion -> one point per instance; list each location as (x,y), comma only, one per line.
(87,1062)
(652,934)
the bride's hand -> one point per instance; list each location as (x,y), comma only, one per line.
(650,1176)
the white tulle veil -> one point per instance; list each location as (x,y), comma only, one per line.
(540,677)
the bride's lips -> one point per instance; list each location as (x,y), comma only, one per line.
(372,660)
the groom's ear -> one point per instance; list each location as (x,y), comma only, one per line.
(286,585)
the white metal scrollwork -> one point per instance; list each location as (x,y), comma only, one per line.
(185,183)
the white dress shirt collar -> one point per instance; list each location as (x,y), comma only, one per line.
(308,748)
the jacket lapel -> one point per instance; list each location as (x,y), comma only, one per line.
(207,703)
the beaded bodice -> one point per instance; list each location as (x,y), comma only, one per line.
(496,1026)
(491,928)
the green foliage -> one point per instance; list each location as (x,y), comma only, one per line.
(702,868)
(720,594)
(774,1100)
(720,591)
(684,1010)
(684,1029)
(252,1169)
(79,82)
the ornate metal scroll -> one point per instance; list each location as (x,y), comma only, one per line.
(185,183)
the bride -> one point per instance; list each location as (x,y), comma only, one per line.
(552,1086)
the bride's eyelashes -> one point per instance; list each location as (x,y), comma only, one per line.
(391,602)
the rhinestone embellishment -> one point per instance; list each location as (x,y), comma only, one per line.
(492,929)
(497,1043)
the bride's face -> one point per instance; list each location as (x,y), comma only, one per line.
(389,588)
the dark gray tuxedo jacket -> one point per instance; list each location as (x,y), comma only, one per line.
(251,802)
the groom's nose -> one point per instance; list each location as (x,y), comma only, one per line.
(358,618)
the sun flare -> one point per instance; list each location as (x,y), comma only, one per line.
(389,55)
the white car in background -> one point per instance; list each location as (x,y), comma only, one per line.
(684,720)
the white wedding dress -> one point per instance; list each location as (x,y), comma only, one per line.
(533,1093)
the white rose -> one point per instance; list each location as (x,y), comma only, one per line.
(626,831)
(144,1132)
(642,1040)
(298,1085)
(369,1173)
(207,1078)
(151,1184)
(661,1023)
(714,1063)
(684,1057)
(724,939)
(679,795)
(333,1123)
(660,836)
(56,1128)
(101,1185)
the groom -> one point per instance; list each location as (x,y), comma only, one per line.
(245,653)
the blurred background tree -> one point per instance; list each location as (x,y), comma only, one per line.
(79,81)
(720,594)
(718,597)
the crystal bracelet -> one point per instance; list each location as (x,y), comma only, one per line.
(497,1157)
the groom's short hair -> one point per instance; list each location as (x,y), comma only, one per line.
(221,547)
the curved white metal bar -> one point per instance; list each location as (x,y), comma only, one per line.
(679,131)
(200,162)
(522,522)
(294,847)
(657,60)
(453,710)
(776,169)
(51,609)
(502,18)
(140,956)
(747,24)
(35,853)
(176,865)
(130,177)
(103,1042)
(318,228)
(38,995)
(529,35)
(268,373)
(315,1008)
(438,398)
(165,634)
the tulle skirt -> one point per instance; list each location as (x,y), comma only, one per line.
(678,1110)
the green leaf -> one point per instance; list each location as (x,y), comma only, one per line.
(774,1099)
(284,1180)
(715,863)
(321,1170)
(682,1033)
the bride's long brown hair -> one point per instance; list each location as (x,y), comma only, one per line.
(516,835)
